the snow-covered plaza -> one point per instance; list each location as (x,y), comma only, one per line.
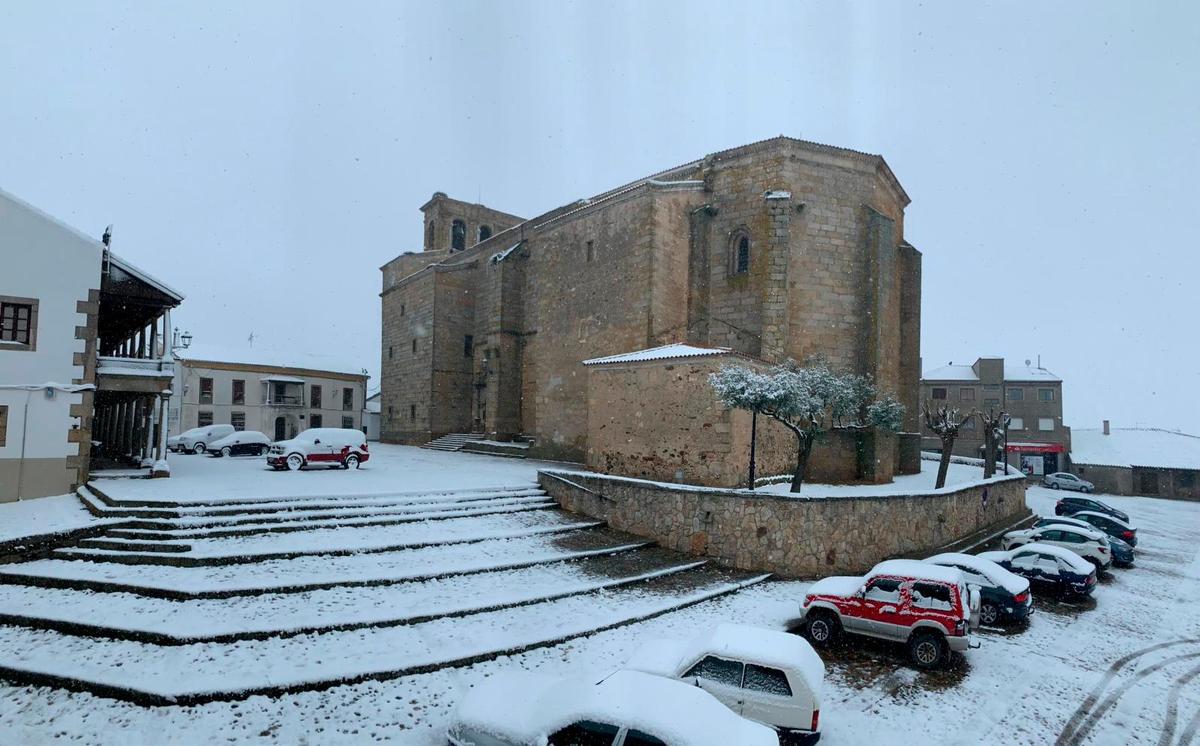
(353,606)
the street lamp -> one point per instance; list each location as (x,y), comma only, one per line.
(187,340)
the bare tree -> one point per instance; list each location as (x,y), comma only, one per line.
(945,423)
(993,423)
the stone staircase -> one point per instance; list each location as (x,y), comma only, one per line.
(450,442)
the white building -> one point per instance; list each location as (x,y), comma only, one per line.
(64,298)
(371,414)
(279,394)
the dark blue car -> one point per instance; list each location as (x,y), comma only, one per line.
(1004,596)
(1059,568)
(1072,505)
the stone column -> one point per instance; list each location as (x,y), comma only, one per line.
(775,293)
(148,418)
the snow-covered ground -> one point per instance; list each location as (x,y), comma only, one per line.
(957,477)
(1020,686)
(43,516)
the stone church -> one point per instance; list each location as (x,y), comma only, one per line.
(781,248)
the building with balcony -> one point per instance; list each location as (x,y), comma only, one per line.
(279,394)
(83,366)
(1038,441)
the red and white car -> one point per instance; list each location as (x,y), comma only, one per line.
(320,446)
(928,607)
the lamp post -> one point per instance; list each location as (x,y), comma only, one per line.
(753,440)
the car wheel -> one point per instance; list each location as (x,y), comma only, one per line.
(351,462)
(295,461)
(989,614)
(823,628)
(198,449)
(1054,485)
(927,649)
(226,451)
(1086,490)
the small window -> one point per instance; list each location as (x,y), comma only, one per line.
(347,422)
(468,345)
(458,235)
(3,424)
(769,680)
(315,420)
(590,250)
(717,670)
(1046,395)
(430,233)
(204,419)
(1046,424)
(740,254)
(485,232)
(18,324)
(1016,423)
(966,393)
(932,596)
(391,352)
(239,391)
(585,733)
(1016,394)
(348,399)
(315,397)
(238,420)
(412,412)
(884,590)
(402,309)
(391,412)
(206,391)
(938,393)
(414,346)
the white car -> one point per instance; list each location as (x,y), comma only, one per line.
(762,674)
(628,708)
(241,443)
(1088,543)
(1061,480)
(197,439)
(320,446)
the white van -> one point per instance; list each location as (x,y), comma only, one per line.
(320,446)
(198,439)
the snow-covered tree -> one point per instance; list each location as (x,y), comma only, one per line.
(945,423)
(808,400)
(993,424)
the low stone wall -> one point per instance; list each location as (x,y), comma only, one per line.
(790,536)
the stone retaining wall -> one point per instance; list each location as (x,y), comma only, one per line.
(790,536)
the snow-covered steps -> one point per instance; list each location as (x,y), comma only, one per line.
(133,617)
(310,573)
(341,541)
(113,542)
(451,442)
(190,674)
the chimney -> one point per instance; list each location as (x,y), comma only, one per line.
(1106,427)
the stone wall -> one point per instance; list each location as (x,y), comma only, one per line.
(791,536)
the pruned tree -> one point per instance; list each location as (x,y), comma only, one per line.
(808,400)
(993,424)
(945,423)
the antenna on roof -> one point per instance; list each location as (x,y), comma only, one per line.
(106,239)
(250,339)
(1039,361)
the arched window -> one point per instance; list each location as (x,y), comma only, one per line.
(485,232)
(430,232)
(739,253)
(458,235)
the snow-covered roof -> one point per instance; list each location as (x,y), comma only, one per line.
(500,256)
(1136,446)
(1010,582)
(659,353)
(198,353)
(1012,372)
(767,646)
(145,277)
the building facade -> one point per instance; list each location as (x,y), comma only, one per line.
(779,249)
(1153,462)
(1038,441)
(82,364)
(280,399)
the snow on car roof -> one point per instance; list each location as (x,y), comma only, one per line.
(1077,563)
(920,570)
(1112,518)
(1064,520)
(836,585)
(766,646)
(240,436)
(1010,582)
(1086,529)
(526,707)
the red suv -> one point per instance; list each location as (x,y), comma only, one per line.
(928,607)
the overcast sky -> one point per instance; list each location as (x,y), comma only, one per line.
(266,159)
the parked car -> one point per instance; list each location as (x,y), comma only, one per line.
(628,708)
(320,446)
(197,439)
(1060,568)
(1072,505)
(1004,596)
(241,443)
(1086,542)
(1061,480)
(769,676)
(1122,552)
(1115,527)
(928,607)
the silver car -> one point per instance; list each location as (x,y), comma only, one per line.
(1061,480)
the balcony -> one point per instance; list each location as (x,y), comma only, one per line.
(133,374)
(283,391)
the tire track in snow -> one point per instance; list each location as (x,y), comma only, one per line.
(1168,731)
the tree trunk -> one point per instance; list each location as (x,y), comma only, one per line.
(944,463)
(803,449)
(989,453)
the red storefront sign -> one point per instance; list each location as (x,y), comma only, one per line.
(1035,448)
